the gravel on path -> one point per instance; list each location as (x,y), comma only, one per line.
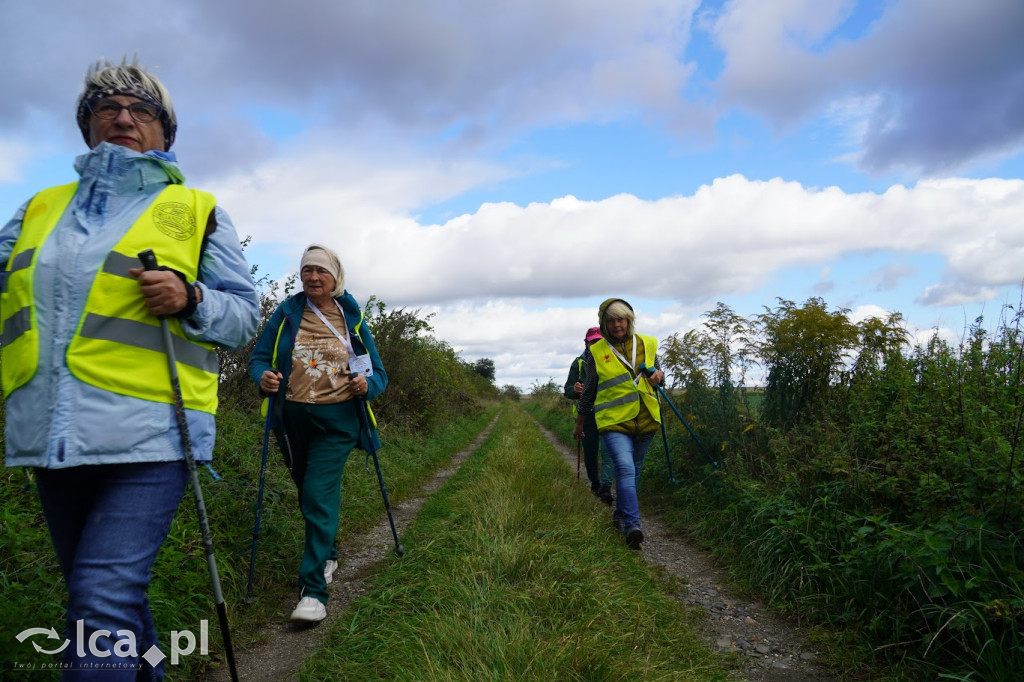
(772,648)
(283,644)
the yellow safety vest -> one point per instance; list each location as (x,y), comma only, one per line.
(118,344)
(19,333)
(618,398)
(579,371)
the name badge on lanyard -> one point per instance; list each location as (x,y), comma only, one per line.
(360,364)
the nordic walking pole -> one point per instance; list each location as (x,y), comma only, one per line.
(259,501)
(364,419)
(661,391)
(668,458)
(664,441)
(578,447)
(148,259)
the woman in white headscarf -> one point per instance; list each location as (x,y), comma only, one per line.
(317,358)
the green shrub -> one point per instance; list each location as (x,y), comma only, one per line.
(869,486)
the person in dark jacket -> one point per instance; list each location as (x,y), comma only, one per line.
(317,358)
(600,470)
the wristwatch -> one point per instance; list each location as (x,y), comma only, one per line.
(191,297)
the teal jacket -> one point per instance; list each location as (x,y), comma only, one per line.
(286,320)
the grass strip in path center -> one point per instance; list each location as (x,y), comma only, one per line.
(512,572)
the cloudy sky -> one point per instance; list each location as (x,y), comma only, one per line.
(508,164)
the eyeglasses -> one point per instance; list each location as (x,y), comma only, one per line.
(109,109)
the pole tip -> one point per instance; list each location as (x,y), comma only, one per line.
(400,550)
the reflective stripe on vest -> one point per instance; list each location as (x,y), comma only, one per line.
(147,337)
(618,398)
(18,262)
(19,336)
(16,325)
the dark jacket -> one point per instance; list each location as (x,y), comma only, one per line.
(577,372)
(284,326)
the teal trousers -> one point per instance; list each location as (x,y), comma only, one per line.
(321,438)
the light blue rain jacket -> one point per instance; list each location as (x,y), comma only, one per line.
(55,420)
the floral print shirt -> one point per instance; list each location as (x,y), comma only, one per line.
(319,360)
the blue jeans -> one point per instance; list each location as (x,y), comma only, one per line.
(107,523)
(628,453)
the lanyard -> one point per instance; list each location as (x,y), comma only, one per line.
(345,341)
(631,367)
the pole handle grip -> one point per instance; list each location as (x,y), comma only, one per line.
(148,259)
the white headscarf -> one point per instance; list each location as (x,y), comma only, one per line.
(316,254)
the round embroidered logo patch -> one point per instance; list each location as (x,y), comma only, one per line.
(174,219)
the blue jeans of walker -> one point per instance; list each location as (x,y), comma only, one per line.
(107,523)
(628,453)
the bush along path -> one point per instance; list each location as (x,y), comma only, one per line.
(770,648)
(283,645)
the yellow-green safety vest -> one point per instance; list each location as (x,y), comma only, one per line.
(579,371)
(618,398)
(118,344)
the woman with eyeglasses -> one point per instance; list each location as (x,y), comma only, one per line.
(619,392)
(84,372)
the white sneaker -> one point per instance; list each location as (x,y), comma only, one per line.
(329,568)
(310,609)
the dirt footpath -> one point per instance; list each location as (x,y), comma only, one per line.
(285,645)
(773,649)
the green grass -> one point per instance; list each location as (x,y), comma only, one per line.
(513,572)
(32,589)
(885,600)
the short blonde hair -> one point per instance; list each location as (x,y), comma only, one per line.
(618,310)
